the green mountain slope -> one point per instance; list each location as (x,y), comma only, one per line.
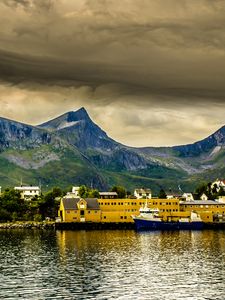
(73,150)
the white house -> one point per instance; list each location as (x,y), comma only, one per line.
(188,196)
(219,183)
(75,190)
(143,193)
(204,197)
(74,193)
(28,192)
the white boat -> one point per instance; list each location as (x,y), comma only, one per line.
(149,219)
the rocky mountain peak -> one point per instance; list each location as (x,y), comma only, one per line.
(80,114)
(206,145)
(67,120)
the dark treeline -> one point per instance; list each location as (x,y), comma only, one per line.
(211,191)
(13,208)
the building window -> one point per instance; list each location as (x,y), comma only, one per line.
(121,217)
(96,211)
(125,217)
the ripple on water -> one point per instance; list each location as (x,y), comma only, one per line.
(112,265)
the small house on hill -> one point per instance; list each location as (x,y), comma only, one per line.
(28,192)
(219,183)
(143,193)
(188,196)
(204,197)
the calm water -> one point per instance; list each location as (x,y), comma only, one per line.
(112,265)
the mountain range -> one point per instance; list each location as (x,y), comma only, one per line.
(72,150)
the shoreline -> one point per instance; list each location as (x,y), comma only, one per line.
(27,225)
(85,226)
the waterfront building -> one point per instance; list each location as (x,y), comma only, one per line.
(207,209)
(79,210)
(143,193)
(113,210)
(121,210)
(28,192)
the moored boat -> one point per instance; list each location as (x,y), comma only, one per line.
(150,219)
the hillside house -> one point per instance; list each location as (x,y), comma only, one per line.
(143,193)
(204,197)
(219,183)
(28,192)
(188,197)
(74,193)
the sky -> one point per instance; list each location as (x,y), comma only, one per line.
(149,72)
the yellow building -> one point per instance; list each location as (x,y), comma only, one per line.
(208,210)
(79,210)
(114,210)
(121,210)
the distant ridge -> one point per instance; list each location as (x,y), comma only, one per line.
(72,149)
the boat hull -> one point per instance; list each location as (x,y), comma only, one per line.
(142,224)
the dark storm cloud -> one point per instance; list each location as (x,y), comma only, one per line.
(165,58)
(95,41)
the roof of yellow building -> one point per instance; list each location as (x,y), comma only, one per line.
(71,203)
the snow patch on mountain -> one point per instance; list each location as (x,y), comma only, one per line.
(67,124)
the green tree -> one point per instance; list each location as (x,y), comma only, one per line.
(162,194)
(93,194)
(5,215)
(11,202)
(120,190)
(221,192)
(49,203)
(205,189)
(83,191)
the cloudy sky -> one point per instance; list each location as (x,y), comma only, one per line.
(149,72)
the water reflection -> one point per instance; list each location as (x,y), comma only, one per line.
(112,265)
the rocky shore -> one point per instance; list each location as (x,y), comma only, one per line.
(27,225)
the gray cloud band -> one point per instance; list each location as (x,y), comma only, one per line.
(161,57)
